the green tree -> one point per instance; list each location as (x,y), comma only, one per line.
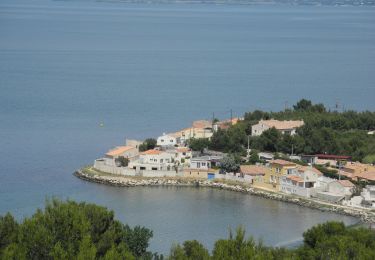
(148,144)
(230,163)
(198,144)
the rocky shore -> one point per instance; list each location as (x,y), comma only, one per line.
(365,215)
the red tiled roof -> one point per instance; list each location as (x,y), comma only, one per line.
(282,162)
(306,168)
(151,152)
(119,150)
(367,176)
(252,170)
(294,178)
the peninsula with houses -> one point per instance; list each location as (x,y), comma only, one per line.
(307,155)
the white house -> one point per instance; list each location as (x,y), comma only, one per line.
(300,181)
(153,160)
(368,195)
(205,162)
(166,140)
(112,155)
(285,127)
(333,190)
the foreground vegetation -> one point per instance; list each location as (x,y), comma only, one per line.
(70,230)
(324,131)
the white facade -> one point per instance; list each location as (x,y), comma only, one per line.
(166,140)
(368,193)
(285,127)
(204,162)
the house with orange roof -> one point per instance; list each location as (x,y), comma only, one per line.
(253,173)
(285,127)
(276,169)
(225,124)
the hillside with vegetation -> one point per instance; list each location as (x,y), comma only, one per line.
(70,230)
(324,131)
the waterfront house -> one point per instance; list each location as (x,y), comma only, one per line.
(154,160)
(129,152)
(355,169)
(276,169)
(253,173)
(167,140)
(285,127)
(368,195)
(300,181)
(333,190)
(205,162)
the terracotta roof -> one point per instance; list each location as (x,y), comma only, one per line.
(294,178)
(151,152)
(252,170)
(119,150)
(282,162)
(202,124)
(346,183)
(281,125)
(306,168)
(367,175)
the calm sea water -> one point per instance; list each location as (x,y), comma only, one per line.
(66,67)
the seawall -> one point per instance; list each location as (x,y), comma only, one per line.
(366,215)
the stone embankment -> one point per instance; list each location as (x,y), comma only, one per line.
(365,215)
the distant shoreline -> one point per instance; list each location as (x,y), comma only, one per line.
(365,215)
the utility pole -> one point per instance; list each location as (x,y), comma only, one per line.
(292,149)
(231,116)
(286,105)
(248,147)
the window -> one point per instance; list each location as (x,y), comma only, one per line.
(162,140)
(161,160)
(154,168)
(171,140)
(198,164)
(278,170)
(203,164)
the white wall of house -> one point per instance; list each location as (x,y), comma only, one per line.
(166,140)
(161,158)
(258,129)
(368,193)
(200,164)
(336,188)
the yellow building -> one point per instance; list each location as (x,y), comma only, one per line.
(271,179)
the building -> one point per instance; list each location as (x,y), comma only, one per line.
(333,190)
(285,127)
(368,195)
(264,156)
(253,173)
(154,160)
(112,155)
(300,181)
(167,140)
(225,124)
(354,169)
(276,169)
(368,177)
(205,162)
(331,159)
(309,159)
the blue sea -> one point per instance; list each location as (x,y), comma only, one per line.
(68,67)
